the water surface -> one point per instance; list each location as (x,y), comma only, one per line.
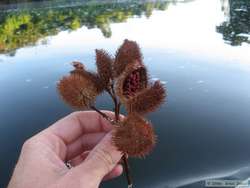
(200,49)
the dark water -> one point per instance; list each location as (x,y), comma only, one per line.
(199,48)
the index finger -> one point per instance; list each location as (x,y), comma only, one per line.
(76,124)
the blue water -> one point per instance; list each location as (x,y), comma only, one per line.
(203,128)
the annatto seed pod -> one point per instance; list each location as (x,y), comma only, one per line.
(135,136)
(79,69)
(147,100)
(128,53)
(131,81)
(78,65)
(104,64)
(77,91)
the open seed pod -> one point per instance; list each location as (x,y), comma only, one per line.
(147,100)
(131,81)
(104,64)
(78,65)
(128,53)
(77,90)
(95,78)
(135,136)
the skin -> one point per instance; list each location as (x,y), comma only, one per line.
(84,139)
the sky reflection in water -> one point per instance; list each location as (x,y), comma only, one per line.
(203,128)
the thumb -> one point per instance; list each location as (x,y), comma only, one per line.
(100,161)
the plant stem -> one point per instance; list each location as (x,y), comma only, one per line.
(124,158)
(117,104)
(113,122)
(127,171)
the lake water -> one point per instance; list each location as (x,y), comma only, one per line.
(199,48)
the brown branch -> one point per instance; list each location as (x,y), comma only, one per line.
(117,104)
(105,116)
(124,158)
(127,171)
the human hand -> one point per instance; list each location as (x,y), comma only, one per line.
(84,139)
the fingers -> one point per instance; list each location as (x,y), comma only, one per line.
(79,159)
(99,162)
(76,124)
(83,143)
(115,172)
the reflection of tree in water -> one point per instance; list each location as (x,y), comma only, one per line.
(22,28)
(16,1)
(236,29)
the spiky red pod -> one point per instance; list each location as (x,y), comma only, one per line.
(135,136)
(78,65)
(131,81)
(128,53)
(77,91)
(148,100)
(94,77)
(104,64)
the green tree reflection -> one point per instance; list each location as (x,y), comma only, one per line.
(24,28)
(236,29)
